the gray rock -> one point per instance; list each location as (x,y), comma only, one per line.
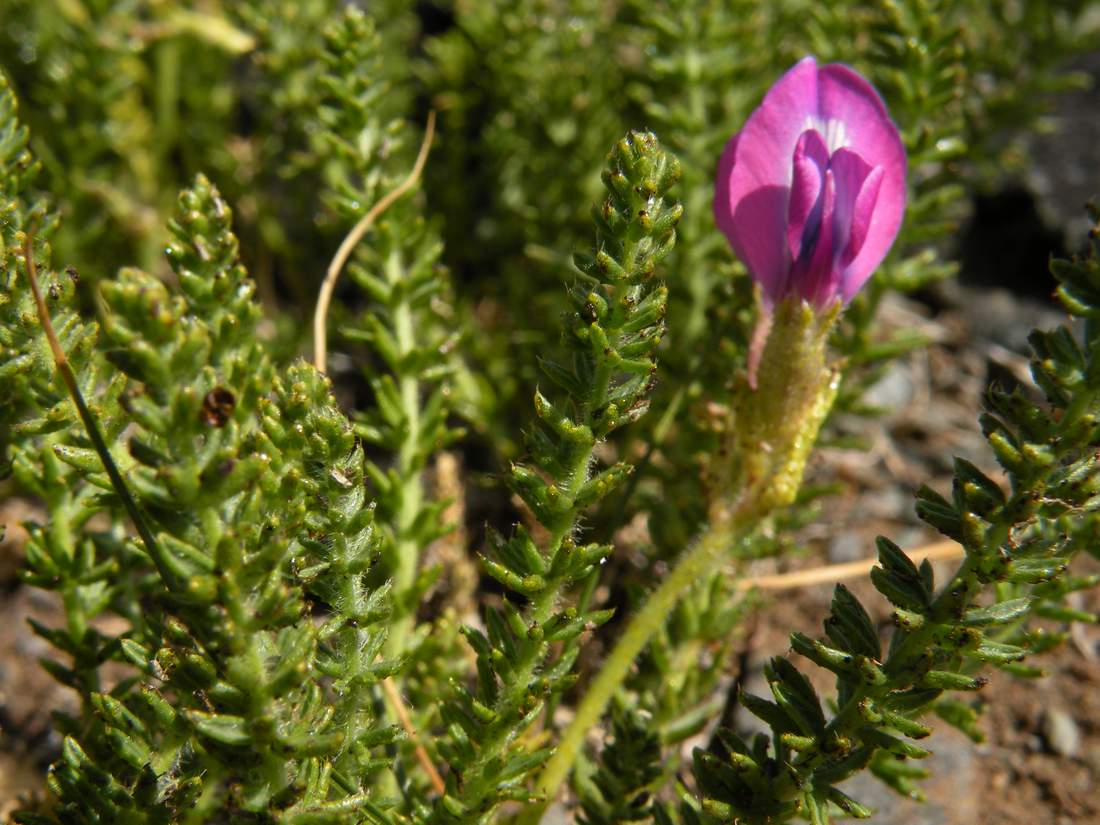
(889,503)
(893,391)
(949,798)
(1061,733)
(847,546)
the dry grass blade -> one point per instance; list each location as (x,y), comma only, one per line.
(328,285)
(938,551)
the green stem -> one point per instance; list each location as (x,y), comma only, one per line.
(699,562)
(406,548)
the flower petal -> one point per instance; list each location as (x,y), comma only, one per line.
(773,198)
(811,158)
(754,176)
(852,173)
(862,215)
(752,222)
(817,278)
(772,131)
(882,210)
(845,97)
(872,135)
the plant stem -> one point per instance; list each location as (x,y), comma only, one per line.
(91,426)
(696,565)
(407,549)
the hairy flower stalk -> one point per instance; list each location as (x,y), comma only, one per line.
(810,194)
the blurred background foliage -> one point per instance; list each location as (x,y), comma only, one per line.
(127,101)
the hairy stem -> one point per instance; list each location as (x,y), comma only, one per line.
(699,563)
(406,548)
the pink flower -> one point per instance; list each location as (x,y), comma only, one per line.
(811,191)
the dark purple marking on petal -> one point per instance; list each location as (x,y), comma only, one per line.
(815,275)
(811,158)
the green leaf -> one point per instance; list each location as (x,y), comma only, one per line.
(849,626)
(223,728)
(794,693)
(998,613)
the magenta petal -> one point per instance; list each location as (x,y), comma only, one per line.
(753,221)
(817,281)
(811,192)
(852,173)
(811,157)
(872,135)
(754,177)
(882,224)
(768,140)
(863,211)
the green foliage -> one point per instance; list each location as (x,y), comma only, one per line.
(116,99)
(361,151)
(1018,546)
(240,662)
(524,87)
(88,569)
(25,362)
(356,130)
(610,337)
(404,338)
(236,703)
(406,327)
(619,790)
